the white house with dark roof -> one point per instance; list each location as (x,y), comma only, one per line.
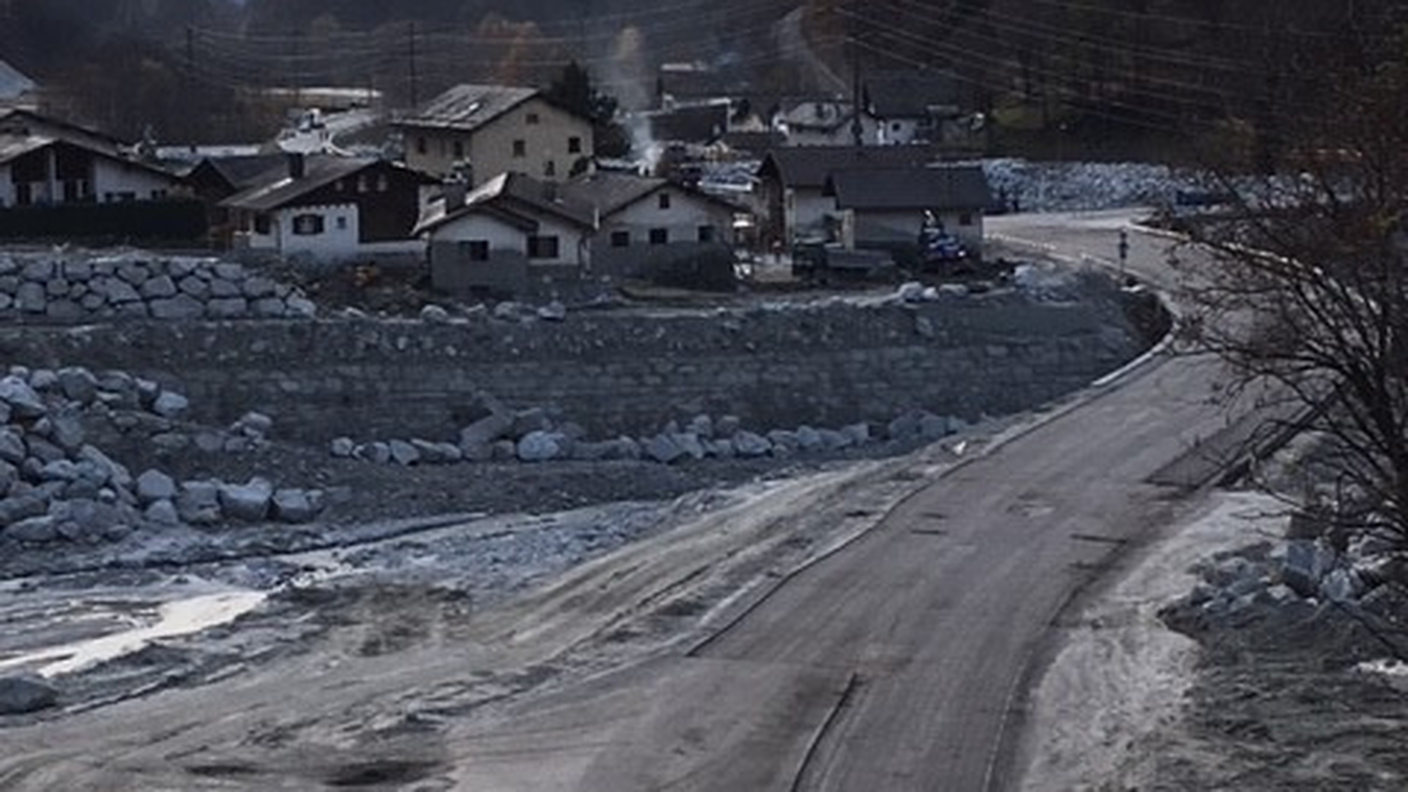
(511,231)
(494,129)
(332,209)
(45,161)
(650,221)
(887,206)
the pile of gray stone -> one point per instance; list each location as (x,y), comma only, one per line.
(535,435)
(56,486)
(77,287)
(1295,580)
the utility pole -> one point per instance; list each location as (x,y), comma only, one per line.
(411,52)
(853,37)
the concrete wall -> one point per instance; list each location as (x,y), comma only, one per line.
(613,373)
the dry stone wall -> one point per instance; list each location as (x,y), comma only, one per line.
(615,372)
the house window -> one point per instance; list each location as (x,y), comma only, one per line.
(121,197)
(532,119)
(421,145)
(307,224)
(158,195)
(664,200)
(24,194)
(965,219)
(542,247)
(474,250)
(659,236)
(340,185)
(381,183)
(620,239)
(261,224)
(520,148)
(706,233)
(574,145)
(362,183)
(459,149)
(342,222)
(550,168)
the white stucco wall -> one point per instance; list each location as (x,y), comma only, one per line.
(504,237)
(682,219)
(116,177)
(489,149)
(807,210)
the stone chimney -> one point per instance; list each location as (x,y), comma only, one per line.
(297,166)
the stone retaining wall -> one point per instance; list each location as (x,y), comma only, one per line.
(618,372)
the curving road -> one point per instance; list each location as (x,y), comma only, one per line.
(898,662)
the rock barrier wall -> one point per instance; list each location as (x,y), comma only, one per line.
(613,372)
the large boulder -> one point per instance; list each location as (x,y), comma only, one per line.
(154,485)
(169,404)
(294,506)
(751,444)
(247,502)
(199,502)
(664,448)
(404,453)
(24,401)
(21,695)
(540,446)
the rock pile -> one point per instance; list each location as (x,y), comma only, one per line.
(73,287)
(535,435)
(55,486)
(1291,583)
(1078,186)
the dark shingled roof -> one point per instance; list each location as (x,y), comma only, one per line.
(468,107)
(612,191)
(507,196)
(276,187)
(243,172)
(809,166)
(946,187)
(913,94)
(693,124)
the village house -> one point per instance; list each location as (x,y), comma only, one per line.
(791,196)
(493,129)
(916,107)
(332,209)
(47,162)
(510,232)
(649,223)
(886,207)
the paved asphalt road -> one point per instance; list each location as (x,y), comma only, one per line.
(902,662)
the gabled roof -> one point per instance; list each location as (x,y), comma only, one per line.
(944,187)
(912,94)
(276,187)
(21,122)
(13,84)
(12,146)
(467,107)
(612,192)
(15,144)
(515,198)
(809,166)
(242,172)
(690,124)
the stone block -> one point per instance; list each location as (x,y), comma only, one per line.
(154,485)
(294,506)
(31,298)
(540,446)
(247,502)
(179,308)
(750,445)
(227,307)
(403,453)
(199,502)
(78,384)
(159,287)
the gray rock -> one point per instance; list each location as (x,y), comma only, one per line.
(294,506)
(23,400)
(179,308)
(22,695)
(553,312)
(114,472)
(378,453)
(162,512)
(809,440)
(42,529)
(690,443)
(476,452)
(534,419)
(269,308)
(403,453)
(134,273)
(833,440)
(9,476)
(504,451)
(229,271)
(12,447)
(253,424)
(664,449)
(702,426)
(43,380)
(78,270)
(118,292)
(301,307)
(227,307)
(934,427)
(59,470)
(66,430)
(56,288)
(78,384)
(751,444)
(64,311)
(905,426)
(342,447)
(434,314)
(247,502)
(1341,585)
(199,502)
(486,430)
(31,298)
(210,442)
(720,449)
(432,453)
(540,446)
(21,507)
(225,288)
(169,404)
(43,451)
(38,269)
(1305,564)
(160,286)
(85,519)
(171,442)
(784,442)
(194,286)
(258,286)
(728,426)
(154,485)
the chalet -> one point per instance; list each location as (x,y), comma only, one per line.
(496,129)
(882,207)
(647,222)
(792,185)
(916,107)
(331,209)
(46,162)
(511,232)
